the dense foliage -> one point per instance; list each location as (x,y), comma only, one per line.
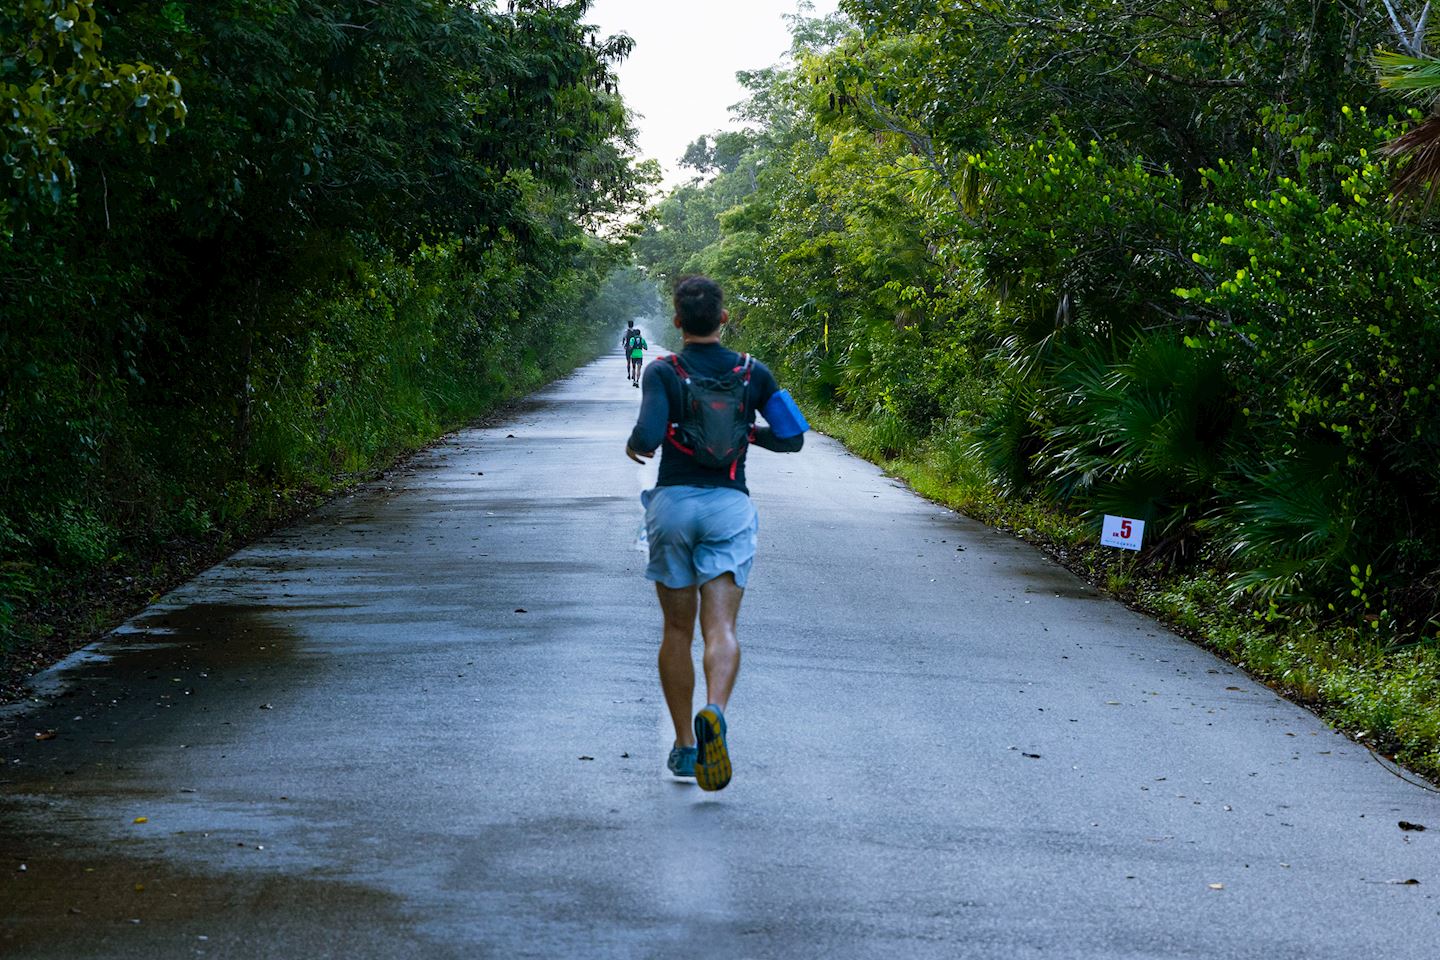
(253,244)
(1121,257)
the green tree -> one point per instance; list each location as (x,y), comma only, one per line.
(57,91)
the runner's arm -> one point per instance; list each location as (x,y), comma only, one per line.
(765,437)
(654,417)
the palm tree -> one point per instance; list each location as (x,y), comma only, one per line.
(1414,74)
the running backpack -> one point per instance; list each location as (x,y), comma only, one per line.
(714,424)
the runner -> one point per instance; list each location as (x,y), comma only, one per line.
(637,348)
(630,331)
(701,524)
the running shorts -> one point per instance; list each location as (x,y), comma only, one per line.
(698,533)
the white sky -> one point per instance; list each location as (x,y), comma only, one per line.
(681,77)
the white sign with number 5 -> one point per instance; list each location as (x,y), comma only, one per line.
(1122,532)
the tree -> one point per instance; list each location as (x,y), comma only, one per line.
(57,91)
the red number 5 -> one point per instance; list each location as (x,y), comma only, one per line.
(1125,529)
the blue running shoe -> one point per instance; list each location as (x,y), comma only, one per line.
(682,761)
(712,762)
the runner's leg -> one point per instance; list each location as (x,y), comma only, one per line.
(719,608)
(677,668)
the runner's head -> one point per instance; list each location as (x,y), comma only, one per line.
(630,324)
(699,306)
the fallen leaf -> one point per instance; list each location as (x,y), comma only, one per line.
(45,735)
(1032,756)
(521,610)
(1232,688)
(1412,882)
(266,706)
(1407,825)
(1217,886)
(587,758)
(141,820)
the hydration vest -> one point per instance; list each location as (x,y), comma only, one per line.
(715,418)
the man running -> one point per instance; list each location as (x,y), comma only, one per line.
(636,347)
(625,349)
(700,521)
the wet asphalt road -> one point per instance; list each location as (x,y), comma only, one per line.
(350,741)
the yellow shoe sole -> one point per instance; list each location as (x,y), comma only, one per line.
(712,763)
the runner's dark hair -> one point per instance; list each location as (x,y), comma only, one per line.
(698,302)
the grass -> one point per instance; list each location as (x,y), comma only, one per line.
(1387,699)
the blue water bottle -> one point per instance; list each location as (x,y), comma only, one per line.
(784,416)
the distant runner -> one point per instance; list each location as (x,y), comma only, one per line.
(625,348)
(702,527)
(635,347)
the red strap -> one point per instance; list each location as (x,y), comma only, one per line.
(670,435)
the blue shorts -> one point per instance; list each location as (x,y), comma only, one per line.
(698,533)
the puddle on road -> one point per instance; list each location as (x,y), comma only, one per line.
(76,872)
(66,904)
(1044,578)
(149,676)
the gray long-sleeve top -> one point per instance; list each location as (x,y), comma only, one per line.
(660,406)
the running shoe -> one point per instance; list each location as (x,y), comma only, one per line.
(682,761)
(712,761)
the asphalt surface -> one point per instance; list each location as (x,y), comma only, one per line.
(425,723)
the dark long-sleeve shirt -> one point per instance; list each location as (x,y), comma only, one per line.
(660,406)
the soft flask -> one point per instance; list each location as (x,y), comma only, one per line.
(784,416)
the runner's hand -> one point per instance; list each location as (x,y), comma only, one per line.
(636,455)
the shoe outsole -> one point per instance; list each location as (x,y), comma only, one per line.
(712,762)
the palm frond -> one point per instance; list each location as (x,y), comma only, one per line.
(1415,77)
(1292,529)
(1419,151)
(1008,438)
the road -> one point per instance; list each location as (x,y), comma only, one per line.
(425,723)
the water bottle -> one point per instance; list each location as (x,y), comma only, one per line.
(784,416)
